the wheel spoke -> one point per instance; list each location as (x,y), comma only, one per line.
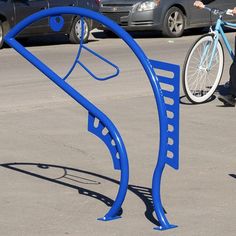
(175,22)
(176,14)
(171,26)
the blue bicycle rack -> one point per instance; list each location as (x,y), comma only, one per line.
(165,89)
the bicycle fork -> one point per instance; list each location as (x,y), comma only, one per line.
(209,48)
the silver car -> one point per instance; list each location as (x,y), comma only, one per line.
(171,17)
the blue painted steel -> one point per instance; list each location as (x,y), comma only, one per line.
(171,99)
(164,110)
(56,23)
(169,146)
(106,138)
(116,68)
(114,212)
(77,61)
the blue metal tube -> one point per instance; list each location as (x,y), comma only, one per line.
(79,98)
(117,71)
(112,213)
(226,41)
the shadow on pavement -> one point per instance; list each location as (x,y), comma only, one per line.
(148,34)
(184,101)
(232,175)
(52,40)
(144,193)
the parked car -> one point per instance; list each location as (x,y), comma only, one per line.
(171,17)
(13,11)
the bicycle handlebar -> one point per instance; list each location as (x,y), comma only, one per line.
(219,12)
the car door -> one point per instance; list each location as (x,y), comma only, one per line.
(24,8)
(67,18)
(197,17)
(226,4)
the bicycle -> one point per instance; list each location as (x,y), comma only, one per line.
(204,63)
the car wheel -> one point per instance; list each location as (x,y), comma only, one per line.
(174,23)
(1,35)
(75,33)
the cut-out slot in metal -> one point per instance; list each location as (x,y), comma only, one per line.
(170,141)
(96,122)
(167,87)
(170,154)
(107,139)
(169,101)
(105,131)
(170,114)
(165,73)
(170,128)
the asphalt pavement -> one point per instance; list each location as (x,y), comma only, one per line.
(57,179)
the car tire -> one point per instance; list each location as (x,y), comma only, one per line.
(75,32)
(1,35)
(174,23)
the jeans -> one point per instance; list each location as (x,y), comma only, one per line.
(232,75)
(232,80)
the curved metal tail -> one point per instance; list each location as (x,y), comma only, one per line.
(168,76)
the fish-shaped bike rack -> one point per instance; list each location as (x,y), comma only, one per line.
(165,89)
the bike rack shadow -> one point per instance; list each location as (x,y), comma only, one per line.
(144,193)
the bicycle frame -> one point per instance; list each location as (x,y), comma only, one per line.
(218,31)
(204,63)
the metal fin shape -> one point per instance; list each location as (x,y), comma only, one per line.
(170,89)
(103,133)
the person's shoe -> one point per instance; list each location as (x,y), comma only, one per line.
(224,89)
(227,85)
(228,100)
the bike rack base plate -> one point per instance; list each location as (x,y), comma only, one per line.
(109,218)
(161,228)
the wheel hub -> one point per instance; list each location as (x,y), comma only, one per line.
(78,29)
(175,22)
(203,69)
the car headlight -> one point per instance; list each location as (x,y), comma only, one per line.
(148,5)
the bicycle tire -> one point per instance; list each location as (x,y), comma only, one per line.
(204,81)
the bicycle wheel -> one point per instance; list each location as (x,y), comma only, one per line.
(200,77)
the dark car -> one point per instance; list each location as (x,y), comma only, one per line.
(13,11)
(171,17)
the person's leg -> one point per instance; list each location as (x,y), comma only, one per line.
(232,73)
(228,98)
(232,80)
